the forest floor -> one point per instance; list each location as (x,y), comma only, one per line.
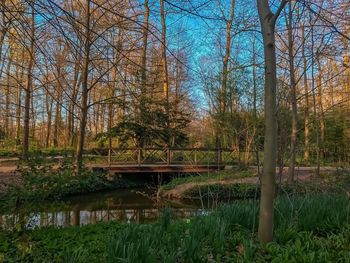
(308,228)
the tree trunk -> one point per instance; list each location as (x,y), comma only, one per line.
(49,118)
(226,59)
(321,111)
(293,96)
(255,114)
(164,57)
(28,89)
(268,178)
(71,107)
(57,122)
(18,114)
(144,49)
(165,73)
(84,92)
(307,103)
(347,69)
(7,97)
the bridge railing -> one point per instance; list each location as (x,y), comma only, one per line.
(168,156)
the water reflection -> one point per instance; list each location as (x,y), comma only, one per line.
(130,206)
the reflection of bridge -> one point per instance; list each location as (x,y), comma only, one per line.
(165,160)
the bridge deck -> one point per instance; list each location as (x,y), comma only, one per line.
(153,168)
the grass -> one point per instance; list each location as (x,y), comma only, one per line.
(212,176)
(335,182)
(223,193)
(310,228)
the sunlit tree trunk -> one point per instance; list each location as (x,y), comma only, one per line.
(144,49)
(72,101)
(84,90)
(29,86)
(165,73)
(49,119)
(57,122)
(321,110)
(164,56)
(268,178)
(7,96)
(226,59)
(307,103)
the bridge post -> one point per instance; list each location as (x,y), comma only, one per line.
(219,157)
(139,156)
(168,156)
(109,157)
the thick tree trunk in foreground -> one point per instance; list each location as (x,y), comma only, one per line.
(268,181)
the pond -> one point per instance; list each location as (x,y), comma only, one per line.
(137,205)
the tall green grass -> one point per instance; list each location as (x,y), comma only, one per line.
(208,237)
(308,228)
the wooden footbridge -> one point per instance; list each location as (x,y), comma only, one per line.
(160,160)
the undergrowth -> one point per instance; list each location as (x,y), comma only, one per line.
(43,179)
(309,228)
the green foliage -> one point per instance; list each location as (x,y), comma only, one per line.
(308,229)
(153,125)
(45,180)
(79,255)
(129,245)
(223,192)
(337,135)
(213,176)
(10,149)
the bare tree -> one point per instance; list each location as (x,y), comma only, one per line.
(268,178)
(29,86)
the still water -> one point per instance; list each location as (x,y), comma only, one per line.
(128,205)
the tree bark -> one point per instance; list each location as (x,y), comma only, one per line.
(307,103)
(57,122)
(28,89)
(165,73)
(7,97)
(268,178)
(347,69)
(49,118)
(255,113)
(164,57)
(321,111)
(226,59)
(84,91)
(293,96)
(144,48)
